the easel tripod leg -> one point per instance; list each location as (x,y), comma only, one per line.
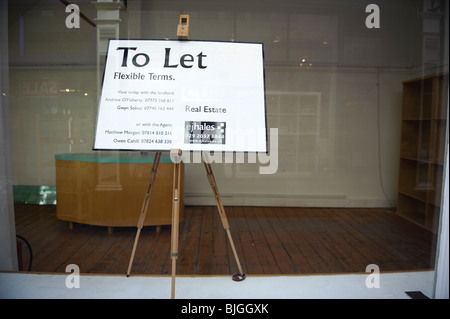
(212,182)
(176,157)
(140,224)
(241,275)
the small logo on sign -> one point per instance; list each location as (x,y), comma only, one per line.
(199,132)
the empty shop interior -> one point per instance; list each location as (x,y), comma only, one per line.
(355,175)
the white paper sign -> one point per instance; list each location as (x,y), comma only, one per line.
(189,95)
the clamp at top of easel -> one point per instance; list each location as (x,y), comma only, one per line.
(176,155)
(183,27)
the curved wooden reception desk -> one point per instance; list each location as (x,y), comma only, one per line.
(108,189)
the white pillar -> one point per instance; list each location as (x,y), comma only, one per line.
(107,21)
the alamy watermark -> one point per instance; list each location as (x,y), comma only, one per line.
(373,280)
(268,161)
(373,19)
(73,19)
(73,280)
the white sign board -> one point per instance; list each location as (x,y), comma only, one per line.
(188,95)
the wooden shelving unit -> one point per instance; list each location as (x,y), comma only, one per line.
(424,118)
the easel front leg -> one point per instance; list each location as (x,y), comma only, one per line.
(212,182)
(176,158)
(140,224)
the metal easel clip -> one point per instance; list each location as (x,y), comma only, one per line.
(183,27)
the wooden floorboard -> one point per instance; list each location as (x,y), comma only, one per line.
(268,240)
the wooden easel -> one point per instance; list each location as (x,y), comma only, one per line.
(176,157)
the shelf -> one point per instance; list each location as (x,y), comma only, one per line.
(422,150)
(414,180)
(415,139)
(412,209)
